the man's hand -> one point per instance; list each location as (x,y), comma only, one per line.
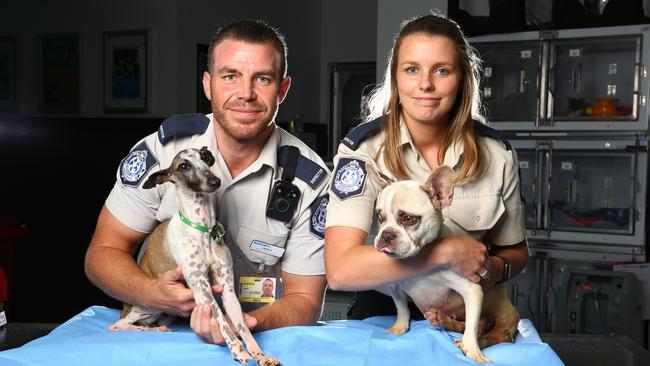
(170,294)
(207,328)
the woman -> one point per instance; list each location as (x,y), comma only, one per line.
(425,114)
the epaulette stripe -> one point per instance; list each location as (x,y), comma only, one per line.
(182,125)
(355,137)
(306,170)
(486,131)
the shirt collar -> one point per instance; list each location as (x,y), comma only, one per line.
(452,155)
(268,155)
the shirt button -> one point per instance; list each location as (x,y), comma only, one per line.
(477,218)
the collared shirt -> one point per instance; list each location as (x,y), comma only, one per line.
(488,208)
(241,201)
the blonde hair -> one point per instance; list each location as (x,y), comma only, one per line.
(384,100)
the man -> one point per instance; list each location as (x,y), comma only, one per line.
(267,288)
(245,82)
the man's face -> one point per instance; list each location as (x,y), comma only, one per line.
(267,288)
(245,88)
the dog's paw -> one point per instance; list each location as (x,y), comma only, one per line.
(473,353)
(435,317)
(397,330)
(264,360)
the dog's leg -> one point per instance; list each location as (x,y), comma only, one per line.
(139,314)
(221,273)
(437,318)
(401,324)
(473,296)
(196,276)
(505,326)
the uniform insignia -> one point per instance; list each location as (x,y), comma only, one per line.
(355,137)
(135,166)
(306,170)
(350,178)
(182,125)
(318,215)
(486,131)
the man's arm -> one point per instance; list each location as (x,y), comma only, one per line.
(110,266)
(301,304)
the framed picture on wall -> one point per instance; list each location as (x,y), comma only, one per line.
(126,71)
(8,75)
(202,102)
(59,73)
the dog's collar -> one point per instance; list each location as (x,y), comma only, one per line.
(217,232)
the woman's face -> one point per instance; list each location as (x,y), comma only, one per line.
(428,78)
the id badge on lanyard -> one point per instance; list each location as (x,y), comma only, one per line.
(259,288)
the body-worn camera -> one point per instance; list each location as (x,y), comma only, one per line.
(283,202)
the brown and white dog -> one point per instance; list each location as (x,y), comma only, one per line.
(410,217)
(194,239)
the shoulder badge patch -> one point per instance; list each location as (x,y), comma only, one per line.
(306,170)
(349,178)
(136,165)
(182,125)
(355,137)
(318,215)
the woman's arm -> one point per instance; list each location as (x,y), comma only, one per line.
(352,265)
(516,254)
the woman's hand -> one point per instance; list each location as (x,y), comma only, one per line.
(465,256)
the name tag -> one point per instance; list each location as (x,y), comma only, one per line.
(266,248)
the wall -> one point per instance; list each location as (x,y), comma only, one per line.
(347,36)
(317,32)
(28,19)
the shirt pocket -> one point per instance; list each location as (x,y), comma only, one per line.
(476,213)
(261,246)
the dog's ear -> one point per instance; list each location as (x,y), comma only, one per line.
(207,156)
(440,186)
(379,179)
(158,177)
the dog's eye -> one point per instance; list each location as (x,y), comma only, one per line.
(409,220)
(184,167)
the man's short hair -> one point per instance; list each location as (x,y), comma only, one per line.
(251,31)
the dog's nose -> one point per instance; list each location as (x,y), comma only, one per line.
(214,183)
(387,237)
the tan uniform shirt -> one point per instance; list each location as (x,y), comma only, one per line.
(488,208)
(241,201)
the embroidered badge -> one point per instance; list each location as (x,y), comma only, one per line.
(350,178)
(318,215)
(136,165)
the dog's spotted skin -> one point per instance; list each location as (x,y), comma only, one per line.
(203,260)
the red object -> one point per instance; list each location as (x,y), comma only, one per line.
(4,286)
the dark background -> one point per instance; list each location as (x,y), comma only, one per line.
(56,174)
(56,170)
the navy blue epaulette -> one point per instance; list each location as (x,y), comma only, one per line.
(484,130)
(306,170)
(355,137)
(182,125)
